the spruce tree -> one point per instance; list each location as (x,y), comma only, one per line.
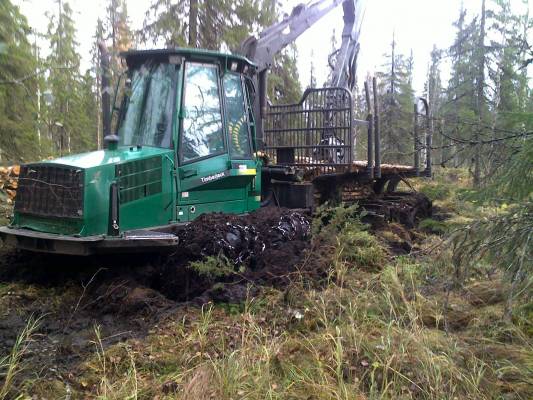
(312,77)
(283,82)
(487,91)
(396,98)
(18,88)
(67,127)
(509,94)
(119,34)
(433,92)
(460,92)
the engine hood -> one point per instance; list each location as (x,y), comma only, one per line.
(71,195)
(106,157)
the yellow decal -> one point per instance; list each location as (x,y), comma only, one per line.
(248,171)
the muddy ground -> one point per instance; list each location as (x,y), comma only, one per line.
(125,296)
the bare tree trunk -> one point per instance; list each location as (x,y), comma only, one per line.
(480,98)
(193,24)
(98,95)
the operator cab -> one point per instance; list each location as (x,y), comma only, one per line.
(198,104)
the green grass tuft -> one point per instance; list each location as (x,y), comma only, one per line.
(359,247)
(213,267)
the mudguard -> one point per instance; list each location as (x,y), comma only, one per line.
(130,241)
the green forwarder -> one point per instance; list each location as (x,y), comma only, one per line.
(183,146)
(194,133)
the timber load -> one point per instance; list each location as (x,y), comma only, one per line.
(9,182)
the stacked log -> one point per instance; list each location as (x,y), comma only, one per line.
(9,182)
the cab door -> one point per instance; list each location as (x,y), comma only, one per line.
(205,168)
(245,168)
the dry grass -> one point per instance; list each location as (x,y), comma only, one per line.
(395,332)
(13,364)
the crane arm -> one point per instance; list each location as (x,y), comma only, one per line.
(275,38)
(345,65)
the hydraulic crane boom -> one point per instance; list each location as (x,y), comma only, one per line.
(271,41)
(345,64)
(275,38)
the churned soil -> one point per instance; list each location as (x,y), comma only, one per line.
(263,248)
(124,296)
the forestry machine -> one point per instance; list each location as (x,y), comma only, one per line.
(194,133)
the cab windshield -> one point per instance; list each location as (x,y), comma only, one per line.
(147,114)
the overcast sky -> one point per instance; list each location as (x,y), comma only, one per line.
(418,25)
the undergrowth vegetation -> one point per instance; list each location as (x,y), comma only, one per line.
(213,267)
(378,326)
(12,365)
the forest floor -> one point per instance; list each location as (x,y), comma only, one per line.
(270,306)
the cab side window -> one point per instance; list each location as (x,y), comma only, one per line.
(237,121)
(202,133)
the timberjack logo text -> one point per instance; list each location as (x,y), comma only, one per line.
(210,178)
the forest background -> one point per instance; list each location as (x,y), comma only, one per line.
(453,319)
(478,88)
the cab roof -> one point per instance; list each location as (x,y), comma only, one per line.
(136,57)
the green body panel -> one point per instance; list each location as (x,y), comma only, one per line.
(136,213)
(228,189)
(154,187)
(51,225)
(100,172)
(227,207)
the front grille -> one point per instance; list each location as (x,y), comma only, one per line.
(50,190)
(139,179)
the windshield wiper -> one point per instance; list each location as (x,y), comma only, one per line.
(143,106)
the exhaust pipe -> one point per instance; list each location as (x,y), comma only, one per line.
(110,140)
